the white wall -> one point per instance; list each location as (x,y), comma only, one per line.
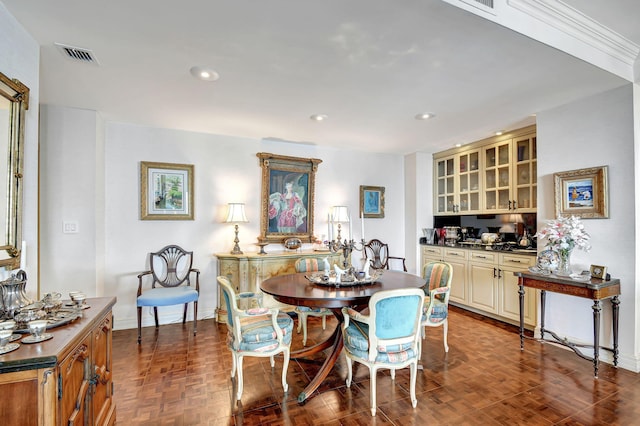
(116,241)
(20,58)
(593,132)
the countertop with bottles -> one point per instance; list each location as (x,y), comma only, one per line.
(500,248)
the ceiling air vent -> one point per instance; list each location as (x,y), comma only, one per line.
(484,5)
(77,54)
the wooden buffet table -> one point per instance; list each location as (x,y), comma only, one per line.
(296,290)
(66,380)
(594,289)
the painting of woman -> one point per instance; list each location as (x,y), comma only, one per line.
(287,211)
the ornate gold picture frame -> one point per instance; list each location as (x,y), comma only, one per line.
(583,193)
(166,191)
(288,197)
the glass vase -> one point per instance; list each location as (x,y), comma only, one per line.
(564,266)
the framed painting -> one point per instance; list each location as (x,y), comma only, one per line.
(287,202)
(372,201)
(582,193)
(166,191)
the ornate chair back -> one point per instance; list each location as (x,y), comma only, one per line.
(378,254)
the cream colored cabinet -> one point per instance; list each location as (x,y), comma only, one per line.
(457,183)
(246,272)
(483,281)
(457,258)
(509,302)
(495,175)
(510,175)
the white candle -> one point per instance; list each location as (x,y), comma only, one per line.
(362,225)
(350,234)
(23,256)
(329,227)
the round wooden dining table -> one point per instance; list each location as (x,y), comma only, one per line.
(295,289)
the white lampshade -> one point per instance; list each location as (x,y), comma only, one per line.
(340,214)
(236,213)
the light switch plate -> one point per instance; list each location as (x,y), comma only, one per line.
(70,227)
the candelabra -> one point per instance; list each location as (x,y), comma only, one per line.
(347,247)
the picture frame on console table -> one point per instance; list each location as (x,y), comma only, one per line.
(583,193)
(372,201)
(288,197)
(166,191)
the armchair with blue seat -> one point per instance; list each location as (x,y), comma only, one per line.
(438,276)
(170,270)
(309,264)
(388,337)
(258,332)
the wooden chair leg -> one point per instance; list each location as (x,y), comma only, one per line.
(139,324)
(155,314)
(184,315)
(195,317)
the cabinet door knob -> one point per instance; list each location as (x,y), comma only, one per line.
(509,204)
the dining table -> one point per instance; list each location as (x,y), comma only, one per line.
(299,290)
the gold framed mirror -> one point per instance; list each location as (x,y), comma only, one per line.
(14,101)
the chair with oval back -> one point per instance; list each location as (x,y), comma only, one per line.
(309,264)
(388,337)
(258,332)
(170,270)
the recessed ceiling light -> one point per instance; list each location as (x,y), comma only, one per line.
(499,132)
(458,145)
(204,74)
(319,117)
(424,116)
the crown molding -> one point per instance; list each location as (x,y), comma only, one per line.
(570,21)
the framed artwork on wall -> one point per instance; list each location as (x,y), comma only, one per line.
(583,193)
(372,201)
(287,201)
(166,191)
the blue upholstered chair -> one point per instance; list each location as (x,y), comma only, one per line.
(309,264)
(438,276)
(258,332)
(170,270)
(389,337)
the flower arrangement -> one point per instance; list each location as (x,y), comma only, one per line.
(565,233)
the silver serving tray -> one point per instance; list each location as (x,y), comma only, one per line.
(331,280)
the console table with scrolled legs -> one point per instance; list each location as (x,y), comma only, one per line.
(594,289)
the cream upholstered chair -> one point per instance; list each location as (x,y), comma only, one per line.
(258,332)
(378,254)
(309,264)
(389,337)
(170,270)
(438,276)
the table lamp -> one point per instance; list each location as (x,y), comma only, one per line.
(236,215)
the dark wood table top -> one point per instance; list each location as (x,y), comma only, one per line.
(593,288)
(295,289)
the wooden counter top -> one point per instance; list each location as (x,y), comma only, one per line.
(65,338)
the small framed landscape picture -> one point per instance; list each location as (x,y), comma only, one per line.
(372,201)
(166,191)
(582,193)
(598,271)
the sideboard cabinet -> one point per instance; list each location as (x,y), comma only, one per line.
(495,175)
(66,380)
(246,272)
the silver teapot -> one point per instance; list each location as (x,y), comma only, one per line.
(14,295)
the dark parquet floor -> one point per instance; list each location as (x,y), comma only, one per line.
(174,378)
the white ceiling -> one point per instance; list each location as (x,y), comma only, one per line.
(370,65)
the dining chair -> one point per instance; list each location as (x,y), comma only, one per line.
(257,332)
(170,270)
(438,276)
(309,264)
(378,254)
(388,337)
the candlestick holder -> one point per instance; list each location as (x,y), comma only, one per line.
(347,247)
